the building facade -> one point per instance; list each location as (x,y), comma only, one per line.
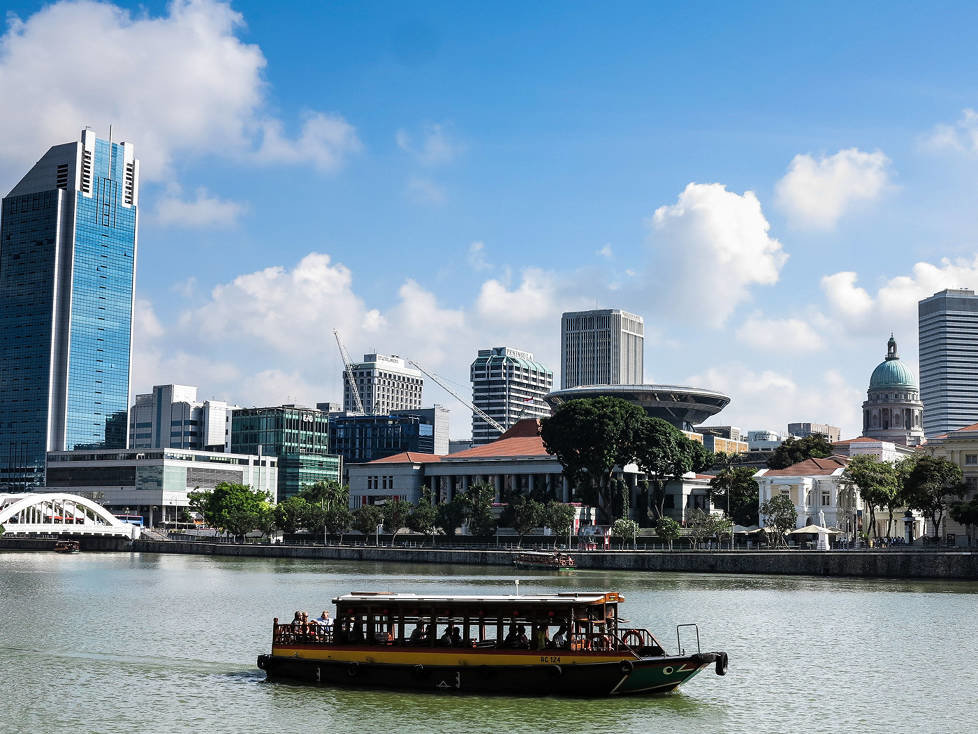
(509,386)
(959,447)
(67,263)
(893,411)
(154,483)
(361,438)
(947,324)
(297,437)
(385,383)
(172,417)
(803,430)
(601,347)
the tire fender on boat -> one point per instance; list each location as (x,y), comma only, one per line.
(721,668)
(627,666)
(353,670)
(555,671)
(261,662)
(418,671)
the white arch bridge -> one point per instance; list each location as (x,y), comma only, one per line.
(58,513)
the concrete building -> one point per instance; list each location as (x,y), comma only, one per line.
(385,383)
(947,324)
(722,439)
(959,447)
(459,444)
(803,430)
(154,483)
(764,440)
(866,446)
(813,486)
(67,262)
(509,386)
(298,438)
(893,411)
(172,417)
(362,438)
(601,347)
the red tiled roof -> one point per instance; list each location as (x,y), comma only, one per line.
(972,427)
(854,440)
(408,457)
(522,439)
(810,467)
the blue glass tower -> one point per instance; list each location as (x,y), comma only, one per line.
(67,265)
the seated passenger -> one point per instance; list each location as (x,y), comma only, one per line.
(446,639)
(521,639)
(431,633)
(417,636)
(356,634)
(511,636)
(457,637)
(323,620)
(559,638)
(297,620)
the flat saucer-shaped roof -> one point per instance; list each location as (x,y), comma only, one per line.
(677,404)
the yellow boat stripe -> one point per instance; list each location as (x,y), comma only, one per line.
(444,657)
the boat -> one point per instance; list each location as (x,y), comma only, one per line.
(67,546)
(538,559)
(479,644)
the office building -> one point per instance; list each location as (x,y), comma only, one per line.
(360,438)
(385,383)
(803,430)
(603,347)
(297,437)
(892,410)
(172,417)
(67,261)
(948,328)
(509,386)
(155,483)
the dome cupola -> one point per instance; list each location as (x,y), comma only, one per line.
(892,373)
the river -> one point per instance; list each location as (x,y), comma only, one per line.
(118,642)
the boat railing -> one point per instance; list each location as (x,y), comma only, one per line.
(309,633)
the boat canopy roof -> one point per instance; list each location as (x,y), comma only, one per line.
(546,601)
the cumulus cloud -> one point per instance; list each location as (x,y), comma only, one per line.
(962,135)
(203,211)
(534,299)
(712,244)
(425,191)
(817,193)
(191,86)
(789,334)
(435,146)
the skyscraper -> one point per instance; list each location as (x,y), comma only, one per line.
(67,264)
(508,385)
(385,384)
(948,327)
(603,347)
(172,417)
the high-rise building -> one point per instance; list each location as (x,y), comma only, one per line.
(385,383)
(603,347)
(297,437)
(361,438)
(804,430)
(947,323)
(67,263)
(172,417)
(509,386)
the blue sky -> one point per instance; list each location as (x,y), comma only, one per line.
(436,178)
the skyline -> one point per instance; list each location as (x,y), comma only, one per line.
(431,182)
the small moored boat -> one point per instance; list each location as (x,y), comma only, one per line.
(537,559)
(542,644)
(67,546)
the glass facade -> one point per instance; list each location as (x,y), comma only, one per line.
(67,255)
(361,438)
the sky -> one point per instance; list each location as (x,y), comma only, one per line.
(772,187)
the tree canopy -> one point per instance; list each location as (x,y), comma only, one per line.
(293,513)
(423,516)
(395,516)
(931,486)
(668,529)
(665,454)
(558,517)
(524,514)
(482,519)
(794,450)
(449,516)
(366,518)
(878,484)
(737,482)
(232,508)
(780,516)
(966,513)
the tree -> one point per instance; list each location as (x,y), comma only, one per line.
(590,437)
(232,508)
(931,487)
(423,516)
(780,515)
(292,513)
(558,517)
(449,516)
(265,520)
(966,513)
(878,485)
(702,525)
(668,529)
(366,518)
(736,486)
(794,450)
(326,494)
(395,517)
(482,519)
(665,454)
(336,520)
(624,528)
(526,515)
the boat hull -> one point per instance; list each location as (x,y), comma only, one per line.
(591,679)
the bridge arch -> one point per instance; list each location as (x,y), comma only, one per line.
(59,513)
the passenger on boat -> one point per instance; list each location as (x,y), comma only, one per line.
(297,621)
(456,637)
(417,636)
(356,634)
(511,636)
(431,634)
(446,639)
(521,639)
(540,636)
(323,620)
(559,639)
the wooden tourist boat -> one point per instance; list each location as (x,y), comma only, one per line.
(501,645)
(544,560)
(67,546)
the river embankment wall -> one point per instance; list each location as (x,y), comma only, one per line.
(862,563)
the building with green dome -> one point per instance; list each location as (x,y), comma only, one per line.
(893,411)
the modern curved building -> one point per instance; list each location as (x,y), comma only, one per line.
(683,407)
(893,411)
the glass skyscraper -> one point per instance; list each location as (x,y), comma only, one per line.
(67,265)
(947,323)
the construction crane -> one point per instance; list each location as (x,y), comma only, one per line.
(478,411)
(348,370)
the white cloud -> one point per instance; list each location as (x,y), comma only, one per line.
(714,245)
(145,320)
(204,211)
(477,256)
(816,193)
(179,83)
(535,299)
(436,145)
(606,251)
(962,135)
(425,191)
(792,335)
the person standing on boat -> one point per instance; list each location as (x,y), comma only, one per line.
(540,636)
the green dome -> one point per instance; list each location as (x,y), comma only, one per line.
(892,373)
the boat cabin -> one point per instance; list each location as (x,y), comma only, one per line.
(579,622)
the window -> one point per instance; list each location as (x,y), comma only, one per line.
(825,499)
(971,459)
